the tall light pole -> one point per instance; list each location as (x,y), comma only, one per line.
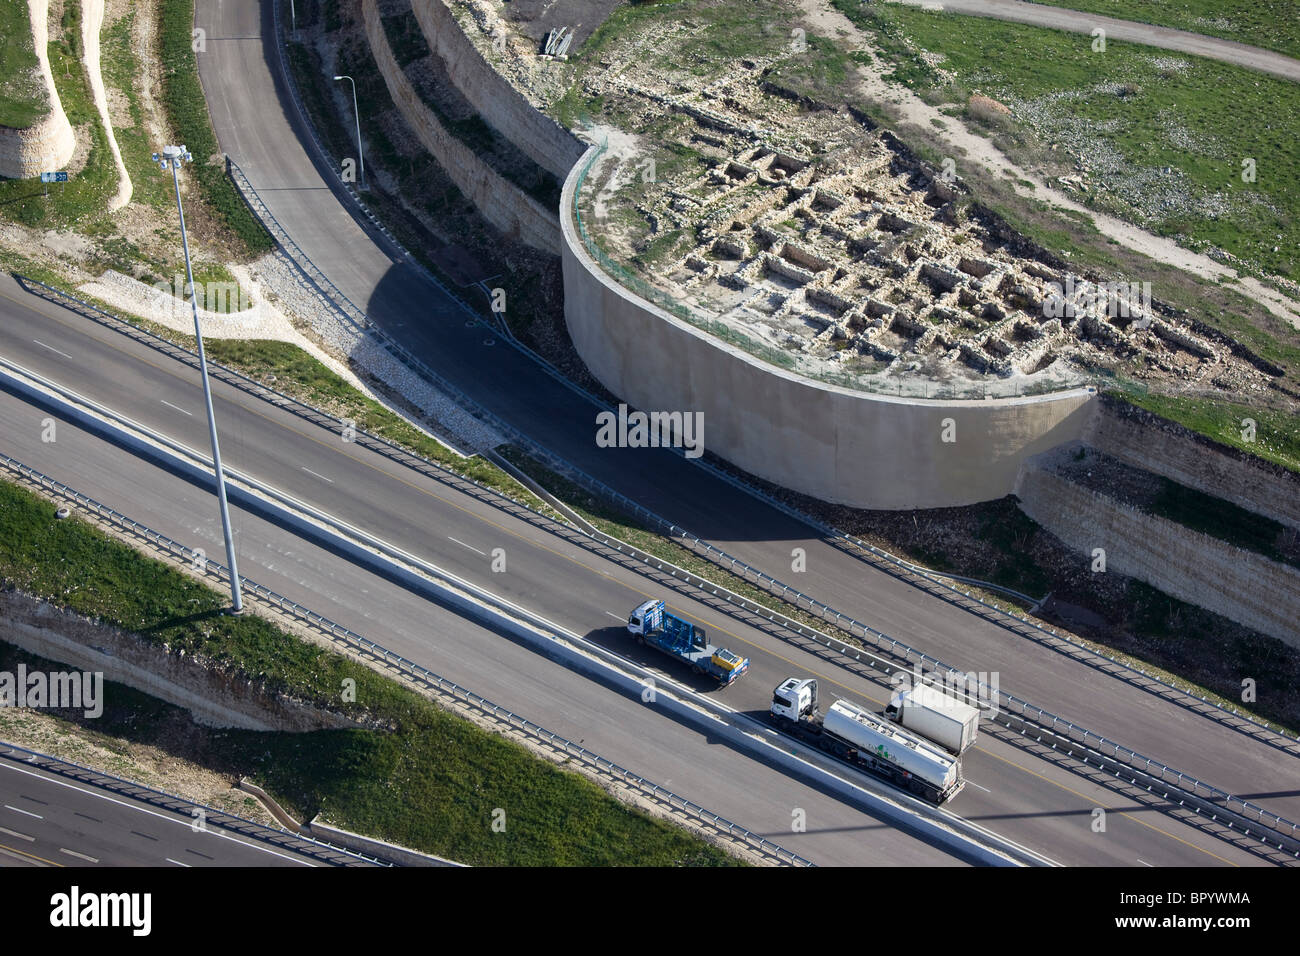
(172,157)
(357,112)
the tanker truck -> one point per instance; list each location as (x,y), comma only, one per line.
(934,715)
(868,741)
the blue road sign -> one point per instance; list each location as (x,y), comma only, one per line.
(59,177)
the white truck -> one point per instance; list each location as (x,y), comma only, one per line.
(867,740)
(934,715)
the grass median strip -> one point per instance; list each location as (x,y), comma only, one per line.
(430,780)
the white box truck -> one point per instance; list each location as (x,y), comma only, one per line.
(934,715)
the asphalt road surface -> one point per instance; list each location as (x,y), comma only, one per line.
(264,134)
(1028,799)
(46,820)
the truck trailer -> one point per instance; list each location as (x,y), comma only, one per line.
(868,741)
(650,623)
(934,715)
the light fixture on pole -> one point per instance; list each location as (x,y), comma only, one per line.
(357,111)
(171,158)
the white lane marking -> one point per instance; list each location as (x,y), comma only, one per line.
(617,617)
(186,822)
(1145,863)
(179,863)
(51,348)
(321,477)
(80,856)
(464,545)
(177,407)
(15,833)
(26,812)
(977,786)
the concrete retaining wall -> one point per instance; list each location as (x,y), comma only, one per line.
(48,144)
(842,446)
(214,698)
(1144,440)
(501,202)
(1193,567)
(502,107)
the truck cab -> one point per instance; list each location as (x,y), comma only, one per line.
(795,699)
(636,621)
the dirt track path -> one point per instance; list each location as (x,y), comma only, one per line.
(970,148)
(1074,21)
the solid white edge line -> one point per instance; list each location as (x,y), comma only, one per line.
(6,765)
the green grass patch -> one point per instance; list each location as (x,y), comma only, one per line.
(1276,434)
(291,370)
(182,97)
(121,71)
(1220,519)
(86,193)
(23,98)
(1271,24)
(431,781)
(622,526)
(1167,133)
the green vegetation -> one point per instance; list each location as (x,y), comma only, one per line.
(23,99)
(1276,436)
(289,369)
(182,96)
(1271,24)
(408,45)
(1166,135)
(423,184)
(1010,558)
(87,191)
(121,72)
(405,38)
(429,779)
(618,524)
(1221,519)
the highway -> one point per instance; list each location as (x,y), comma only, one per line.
(241,77)
(1029,800)
(46,820)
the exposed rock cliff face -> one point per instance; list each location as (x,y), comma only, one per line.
(48,143)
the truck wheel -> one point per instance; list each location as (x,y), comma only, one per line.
(639,638)
(697,668)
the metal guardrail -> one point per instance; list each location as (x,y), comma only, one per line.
(1243,723)
(1065,730)
(284,839)
(1026,711)
(416,673)
(928,581)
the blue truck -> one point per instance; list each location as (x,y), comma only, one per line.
(650,623)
